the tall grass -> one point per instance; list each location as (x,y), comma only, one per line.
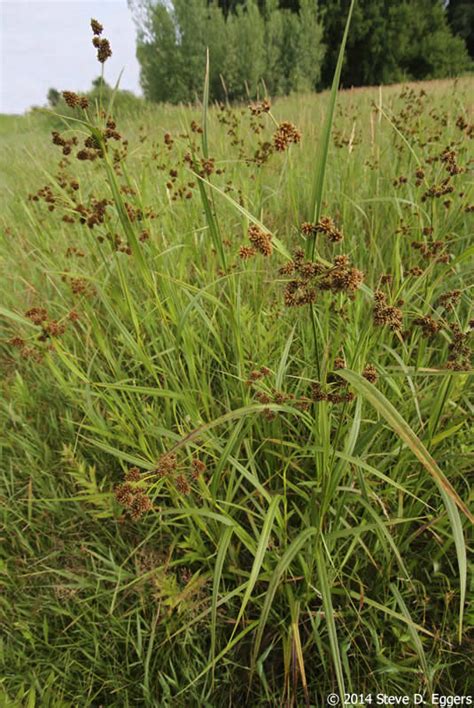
(323,547)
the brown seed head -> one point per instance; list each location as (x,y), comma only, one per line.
(428,325)
(124,494)
(197,468)
(133,475)
(182,484)
(140,505)
(37,315)
(261,240)
(285,134)
(370,373)
(246,252)
(104,50)
(71,99)
(166,464)
(96,27)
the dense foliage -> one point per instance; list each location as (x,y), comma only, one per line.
(293,46)
(461,20)
(235,415)
(250,52)
(392,41)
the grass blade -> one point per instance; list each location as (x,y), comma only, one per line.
(329,613)
(450,496)
(403,430)
(322,156)
(221,554)
(259,556)
(283,565)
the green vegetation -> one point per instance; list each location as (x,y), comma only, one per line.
(235,406)
(393,41)
(281,47)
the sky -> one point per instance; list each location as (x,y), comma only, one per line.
(47,43)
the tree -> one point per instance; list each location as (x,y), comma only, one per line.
(99,83)
(246,46)
(158,54)
(461,20)
(391,42)
(53,97)
(436,53)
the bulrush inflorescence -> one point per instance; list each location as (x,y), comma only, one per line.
(433,250)
(313,276)
(429,326)
(370,373)
(386,315)
(438,190)
(342,277)
(246,252)
(257,374)
(73,100)
(324,226)
(168,467)
(256,109)
(338,393)
(460,355)
(96,27)
(271,395)
(100,43)
(35,348)
(49,327)
(66,143)
(301,290)
(260,240)
(449,158)
(166,464)
(450,299)
(131,496)
(285,134)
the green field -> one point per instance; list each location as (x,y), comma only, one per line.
(235,452)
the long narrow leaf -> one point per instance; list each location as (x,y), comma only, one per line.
(450,496)
(259,556)
(329,614)
(282,566)
(322,156)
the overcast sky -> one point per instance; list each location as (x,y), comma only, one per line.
(47,43)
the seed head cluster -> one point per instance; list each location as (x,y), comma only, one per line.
(313,276)
(260,240)
(370,373)
(460,354)
(433,250)
(168,467)
(337,394)
(65,143)
(100,43)
(324,226)
(73,100)
(135,501)
(450,299)
(257,375)
(342,277)
(256,109)
(285,135)
(438,190)
(385,315)
(429,326)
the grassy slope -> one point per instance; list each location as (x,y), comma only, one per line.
(100,609)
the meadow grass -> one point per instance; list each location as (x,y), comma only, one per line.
(297,522)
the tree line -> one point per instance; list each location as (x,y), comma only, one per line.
(281,46)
